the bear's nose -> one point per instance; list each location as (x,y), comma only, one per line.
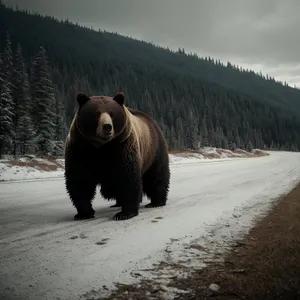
(107,128)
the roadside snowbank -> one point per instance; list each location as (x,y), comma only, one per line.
(209,153)
(31,167)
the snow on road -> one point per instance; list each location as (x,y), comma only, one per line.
(46,255)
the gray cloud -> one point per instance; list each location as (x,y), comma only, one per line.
(263,34)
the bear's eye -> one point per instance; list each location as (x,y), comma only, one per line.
(111,114)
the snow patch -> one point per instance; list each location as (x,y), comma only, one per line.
(26,169)
(30,167)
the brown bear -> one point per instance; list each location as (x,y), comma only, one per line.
(122,150)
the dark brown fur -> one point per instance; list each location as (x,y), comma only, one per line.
(115,164)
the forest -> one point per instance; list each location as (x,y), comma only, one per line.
(196,101)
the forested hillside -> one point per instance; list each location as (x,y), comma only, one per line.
(197,102)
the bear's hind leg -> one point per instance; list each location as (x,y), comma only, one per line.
(156,182)
(81,193)
(108,193)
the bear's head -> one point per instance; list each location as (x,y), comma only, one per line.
(101,118)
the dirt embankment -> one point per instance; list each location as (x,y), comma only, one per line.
(46,164)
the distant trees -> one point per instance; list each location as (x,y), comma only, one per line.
(196,102)
(44,116)
(24,129)
(31,118)
(7,132)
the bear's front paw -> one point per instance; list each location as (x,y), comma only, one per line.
(121,216)
(83,217)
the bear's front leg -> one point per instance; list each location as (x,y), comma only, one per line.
(130,196)
(80,183)
(81,193)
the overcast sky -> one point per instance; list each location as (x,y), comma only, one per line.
(258,34)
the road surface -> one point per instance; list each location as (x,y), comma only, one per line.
(46,255)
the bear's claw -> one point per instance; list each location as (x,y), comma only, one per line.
(121,216)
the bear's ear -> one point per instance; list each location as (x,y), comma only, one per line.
(119,98)
(82,99)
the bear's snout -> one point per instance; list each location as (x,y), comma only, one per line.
(107,128)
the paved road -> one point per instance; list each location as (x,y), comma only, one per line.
(46,255)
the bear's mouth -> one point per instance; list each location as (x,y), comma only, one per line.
(104,137)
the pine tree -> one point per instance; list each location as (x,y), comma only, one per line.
(148,105)
(204,134)
(7,132)
(61,128)
(225,143)
(6,118)
(25,132)
(7,63)
(192,134)
(218,138)
(249,147)
(180,132)
(44,102)
(1,70)
(236,137)
(173,142)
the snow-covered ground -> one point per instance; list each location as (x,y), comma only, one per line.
(28,168)
(46,255)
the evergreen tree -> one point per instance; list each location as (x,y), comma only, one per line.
(192,132)
(7,63)
(7,132)
(205,141)
(218,138)
(249,147)
(44,102)
(173,142)
(24,128)
(180,133)
(6,119)
(147,103)
(1,70)
(25,131)
(60,126)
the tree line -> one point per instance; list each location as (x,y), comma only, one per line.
(32,120)
(197,102)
